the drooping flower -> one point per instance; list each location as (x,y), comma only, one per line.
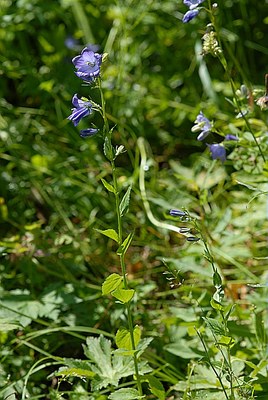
(218,152)
(192,3)
(193,10)
(202,124)
(191,14)
(88,132)
(231,137)
(81,109)
(87,64)
(262,102)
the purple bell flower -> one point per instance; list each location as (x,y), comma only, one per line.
(202,124)
(88,132)
(218,152)
(87,64)
(192,3)
(231,137)
(81,109)
(191,14)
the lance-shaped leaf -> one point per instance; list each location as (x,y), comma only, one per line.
(125,245)
(123,207)
(108,149)
(156,387)
(108,186)
(111,233)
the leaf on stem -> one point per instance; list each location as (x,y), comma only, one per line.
(108,186)
(125,245)
(123,338)
(123,207)
(215,326)
(108,149)
(156,387)
(111,233)
(123,295)
(111,283)
(217,281)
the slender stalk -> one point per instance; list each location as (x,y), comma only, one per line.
(266,84)
(107,133)
(124,273)
(211,365)
(224,64)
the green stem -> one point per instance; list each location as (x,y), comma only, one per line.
(211,364)
(124,273)
(107,133)
(104,116)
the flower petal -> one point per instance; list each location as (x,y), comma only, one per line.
(88,132)
(190,15)
(192,3)
(218,152)
(231,137)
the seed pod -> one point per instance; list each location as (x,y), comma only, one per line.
(193,239)
(184,229)
(177,213)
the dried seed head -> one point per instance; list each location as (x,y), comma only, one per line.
(210,44)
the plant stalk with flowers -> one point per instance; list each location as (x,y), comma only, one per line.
(88,66)
(212,45)
(223,339)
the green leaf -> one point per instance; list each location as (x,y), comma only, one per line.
(143,344)
(108,186)
(226,341)
(125,394)
(217,306)
(108,365)
(156,387)
(260,328)
(108,149)
(76,368)
(123,338)
(123,295)
(111,283)
(215,326)
(108,368)
(8,325)
(123,207)
(125,245)
(111,233)
(217,281)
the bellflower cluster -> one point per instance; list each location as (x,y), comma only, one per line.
(87,66)
(193,10)
(205,126)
